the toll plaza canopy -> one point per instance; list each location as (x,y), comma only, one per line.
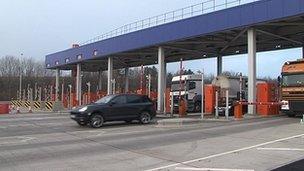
(279,24)
(263,25)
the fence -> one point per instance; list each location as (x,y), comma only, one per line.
(183,13)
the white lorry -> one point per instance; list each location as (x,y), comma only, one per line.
(190,90)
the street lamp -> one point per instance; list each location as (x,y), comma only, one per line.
(89,92)
(71,98)
(20,79)
(149,85)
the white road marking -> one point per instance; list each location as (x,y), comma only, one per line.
(225,153)
(281,149)
(87,131)
(26,139)
(15,140)
(104,133)
(209,169)
(32,119)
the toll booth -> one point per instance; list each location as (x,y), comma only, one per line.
(210,99)
(267,92)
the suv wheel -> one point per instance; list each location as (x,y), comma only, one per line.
(96,121)
(145,118)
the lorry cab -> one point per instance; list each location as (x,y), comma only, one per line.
(190,87)
(292,87)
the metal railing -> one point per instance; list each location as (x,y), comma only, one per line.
(205,7)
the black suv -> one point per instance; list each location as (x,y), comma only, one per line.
(121,107)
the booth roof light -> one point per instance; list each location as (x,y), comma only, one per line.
(67,60)
(95,53)
(79,56)
(57,63)
(48,65)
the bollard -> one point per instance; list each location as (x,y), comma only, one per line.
(216,105)
(302,120)
(182,108)
(30,109)
(172,106)
(238,111)
(227,105)
(18,110)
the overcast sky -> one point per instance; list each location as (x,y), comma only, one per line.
(40,27)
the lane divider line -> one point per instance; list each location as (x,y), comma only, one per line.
(210,169)
(281,149)
(225,153)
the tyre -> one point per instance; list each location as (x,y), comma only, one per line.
(145,118)
(96,121)
(197,107)
(82,123)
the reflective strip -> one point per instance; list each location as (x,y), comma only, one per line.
(27,103)
(49,105)
(37,105)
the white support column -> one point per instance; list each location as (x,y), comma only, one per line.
(99,80)
(110,75)
(251,70)
(161,76)
(126,80)
(165,85)
(219,65)
(57,85)
(78,84)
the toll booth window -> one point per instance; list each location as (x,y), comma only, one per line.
(134,99)
(192,85)
(120,100)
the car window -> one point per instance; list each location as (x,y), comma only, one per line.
(134,99)
(105,99)
(119,100)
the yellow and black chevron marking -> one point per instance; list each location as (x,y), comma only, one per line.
(27,104)
(14,102)
(37,105)
(19,103)
(49,105)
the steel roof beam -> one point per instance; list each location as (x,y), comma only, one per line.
(196,52)
(280,37)
(233,40)
(285,24)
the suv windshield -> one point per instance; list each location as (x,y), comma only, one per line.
(293,80)
(105,99)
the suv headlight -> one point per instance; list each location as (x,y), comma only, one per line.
(285,105)
(83,109)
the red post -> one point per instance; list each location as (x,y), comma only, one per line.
(142,78)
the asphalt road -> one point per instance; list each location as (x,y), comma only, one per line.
(54,142)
